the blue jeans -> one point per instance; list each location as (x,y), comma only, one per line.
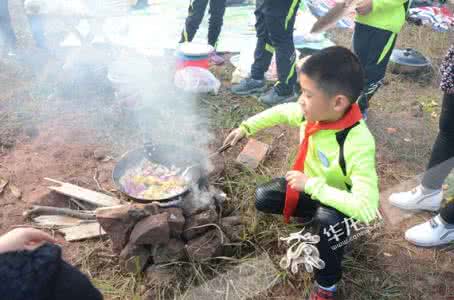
(7,35)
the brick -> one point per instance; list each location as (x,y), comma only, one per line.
(253,154)
(152,230)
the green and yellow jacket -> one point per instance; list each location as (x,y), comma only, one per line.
(386,14)
(339,163)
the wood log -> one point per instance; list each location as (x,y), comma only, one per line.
(49,210)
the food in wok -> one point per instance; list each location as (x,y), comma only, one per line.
(153,181)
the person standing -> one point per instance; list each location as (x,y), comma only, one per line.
(429,194)
(196,12)
(275,22)
(8,38)
(377,24)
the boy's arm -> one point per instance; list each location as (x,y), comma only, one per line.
(289,113)
(361,202)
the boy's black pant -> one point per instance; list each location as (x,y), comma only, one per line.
(373,46)
(442,158)
(274,25)
(195,15)
(270,198)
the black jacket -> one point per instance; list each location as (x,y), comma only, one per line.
(42,275)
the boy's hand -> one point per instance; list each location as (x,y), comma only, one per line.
(297,180)
(23,239)
(364,7)
(234,137)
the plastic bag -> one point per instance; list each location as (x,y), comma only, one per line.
(197,80)
(244,61)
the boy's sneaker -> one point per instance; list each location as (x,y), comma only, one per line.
(273,98)
(418,199)
(249,86)
(320,294)
(434,232)
(216,59)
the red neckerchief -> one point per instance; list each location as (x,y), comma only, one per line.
(350,118)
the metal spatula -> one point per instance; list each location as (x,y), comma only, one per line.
(219,151)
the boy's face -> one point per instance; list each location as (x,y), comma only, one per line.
(318,105)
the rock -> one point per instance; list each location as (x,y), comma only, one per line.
(157,276)
(197,201)
(86,153)
(136,264)
(219,196)
(176,221)
(118,222)
(230,221)
(131,250)
(3,183)
(205,246)
(100,154)
(235,233)
(417,109)
(172,251)
(391,130)
(134,258)
(151,294)
(203,218)
(152,230)
(253,154)
(15,191)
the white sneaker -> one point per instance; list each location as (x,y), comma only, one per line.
(434,232)
(416,199)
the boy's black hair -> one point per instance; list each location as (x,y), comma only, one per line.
(336,70)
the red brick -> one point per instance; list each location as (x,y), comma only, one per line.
(253,154)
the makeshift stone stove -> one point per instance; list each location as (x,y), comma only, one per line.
(192,228)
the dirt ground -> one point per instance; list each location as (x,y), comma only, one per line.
(37,143)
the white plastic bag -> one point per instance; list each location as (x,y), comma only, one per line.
(243,63)
(197,80)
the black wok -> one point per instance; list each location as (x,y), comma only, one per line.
(166,155)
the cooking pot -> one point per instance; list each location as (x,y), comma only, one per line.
(166,155)
(408,61)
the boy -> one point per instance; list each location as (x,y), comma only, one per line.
(275,22)
(333,179)
(195,15)
(377,24)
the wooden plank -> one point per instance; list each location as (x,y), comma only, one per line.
(52,220)
(83,194)
(82,232)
